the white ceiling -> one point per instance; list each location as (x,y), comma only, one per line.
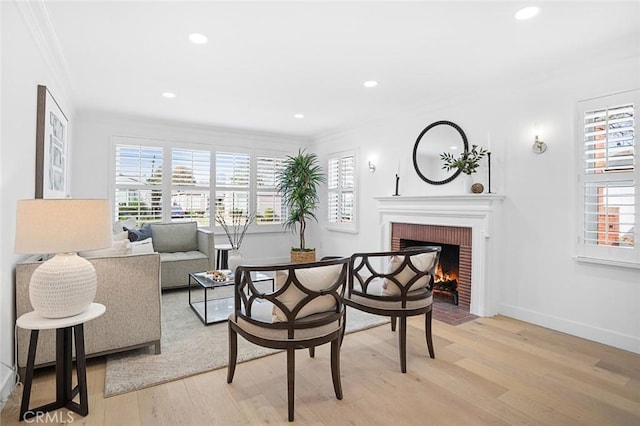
(266,61)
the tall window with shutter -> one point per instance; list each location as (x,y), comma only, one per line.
(233,171)
(608,178)
(138,182)
(341,191)
(191,186)
(269,206)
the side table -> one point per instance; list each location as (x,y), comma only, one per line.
(222,255)
(66,329)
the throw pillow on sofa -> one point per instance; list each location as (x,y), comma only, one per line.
(139,234)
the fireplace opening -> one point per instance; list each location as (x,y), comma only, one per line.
(445,285)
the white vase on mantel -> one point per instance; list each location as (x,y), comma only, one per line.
(467,183)
(234,260)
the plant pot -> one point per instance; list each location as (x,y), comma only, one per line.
(467,183)
(306,256)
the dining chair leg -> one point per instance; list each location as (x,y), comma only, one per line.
(233,354)
(427,328)
(402,343)
(291,377)
(393,323)
(344,326)
(312,351)
(335,367)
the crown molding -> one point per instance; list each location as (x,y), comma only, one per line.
(192,128)
(38,22)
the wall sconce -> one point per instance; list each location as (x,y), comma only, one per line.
(372,167)
(538,146)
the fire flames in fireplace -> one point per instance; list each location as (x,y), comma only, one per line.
(445,284)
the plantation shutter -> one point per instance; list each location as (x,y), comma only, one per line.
(333,174)
(608,179)
(190,185)
(341,188)
(138,183)
(347,177)
(233,172)
(269,205)
(609,140)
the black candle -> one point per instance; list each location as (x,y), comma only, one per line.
(397,181)
(489,164)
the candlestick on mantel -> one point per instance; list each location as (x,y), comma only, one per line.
(397,181)
(489,177)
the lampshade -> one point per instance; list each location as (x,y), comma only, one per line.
(62,225)
(64,285)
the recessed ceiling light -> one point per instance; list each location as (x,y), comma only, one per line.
(527,13)
(169,95)
(298,116)
(370,83)
(196,38)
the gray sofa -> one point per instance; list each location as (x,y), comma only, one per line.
(183,249)
(129,287)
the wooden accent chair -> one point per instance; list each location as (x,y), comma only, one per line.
(403,290)
(303,310)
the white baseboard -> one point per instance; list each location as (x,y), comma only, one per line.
(586,331)
(7,382)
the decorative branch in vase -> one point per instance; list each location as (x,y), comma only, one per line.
(235,231)
(468,163)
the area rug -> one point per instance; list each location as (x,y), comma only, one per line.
(189,347)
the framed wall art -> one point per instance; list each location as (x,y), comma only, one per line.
(52,148)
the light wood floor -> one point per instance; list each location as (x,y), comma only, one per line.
(488,371)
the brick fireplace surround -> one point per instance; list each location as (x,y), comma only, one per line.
(464,220)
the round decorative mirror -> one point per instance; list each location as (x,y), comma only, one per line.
(436,138)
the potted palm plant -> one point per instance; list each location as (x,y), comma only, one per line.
(298,185)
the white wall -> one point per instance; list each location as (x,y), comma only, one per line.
(93,153)
(540,280)
(26,63)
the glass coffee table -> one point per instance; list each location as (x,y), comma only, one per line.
(211,311)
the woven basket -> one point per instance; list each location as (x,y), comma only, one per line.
(303,256)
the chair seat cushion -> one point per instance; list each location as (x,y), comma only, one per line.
(376,288)
(181,256)
(262,311)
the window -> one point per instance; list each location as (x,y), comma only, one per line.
(608,178)
(341,191)
(138,188)
(269,205)
(190,186)
(232,184)
(243,183)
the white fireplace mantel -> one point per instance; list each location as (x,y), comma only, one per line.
(480,212)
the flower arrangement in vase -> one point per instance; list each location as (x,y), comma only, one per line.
(467,162)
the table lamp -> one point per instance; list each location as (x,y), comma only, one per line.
(64,285)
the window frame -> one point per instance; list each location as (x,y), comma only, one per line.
(593,253)
(350,227)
